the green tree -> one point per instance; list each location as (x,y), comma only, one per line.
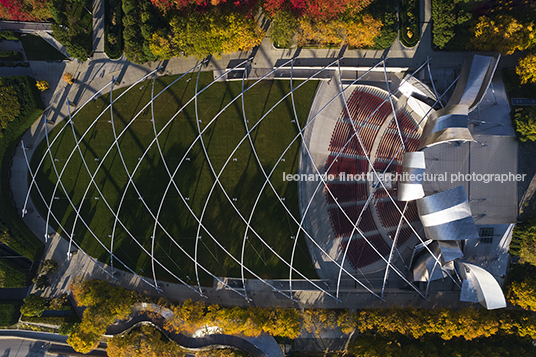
(48,266)
(41,282)
(525,125)
(283,29)
(443,22)
(33,305)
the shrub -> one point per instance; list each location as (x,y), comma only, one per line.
(8,35)
(525,123)
(11,56)
(33,305)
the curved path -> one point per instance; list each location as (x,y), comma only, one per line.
(261,346)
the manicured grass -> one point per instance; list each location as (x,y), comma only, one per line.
(14,233)
(8,35)
(37,49)
(10,277)
(9,312)
(242,178)
(11,56)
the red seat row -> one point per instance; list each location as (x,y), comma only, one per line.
(342,225)
(345,136)
(346,192)
(390,216)
(360,253)
(344,164)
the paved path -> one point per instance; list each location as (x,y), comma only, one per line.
(18,343)
(22,26)
(98,30)
(148,313)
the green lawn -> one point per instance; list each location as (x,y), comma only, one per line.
(242,178)
(10,277)
(11,56)
(37,49)
(9,312)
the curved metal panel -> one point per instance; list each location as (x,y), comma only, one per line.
(488,290)
(413,168)
(475,78)
(447,215)
(447,124)
(426,267)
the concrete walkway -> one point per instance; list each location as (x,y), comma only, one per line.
(21,26)
(98,30)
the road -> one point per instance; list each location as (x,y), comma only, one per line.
(15,343)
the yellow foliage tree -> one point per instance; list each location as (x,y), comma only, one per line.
(318,320)
(42,85)
(160,46)
(503,33)
(355,33)
(523,294)
(526,69)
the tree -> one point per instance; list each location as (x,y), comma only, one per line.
(355,33)
(283,29)
(68,77)
(526,69)
(503,33)
(143,342)
(443,22)
(33,305)
(318,320)
(523,294)
(41,282)
(42,85)
(48,266)
(525,125)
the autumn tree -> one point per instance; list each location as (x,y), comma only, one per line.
(145,341)
(42,85)
(318,320)
(503,33)
(283,28)
(526,69)
(68,77)
(24,10)
(356,33)
(523,294)
(203,34)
